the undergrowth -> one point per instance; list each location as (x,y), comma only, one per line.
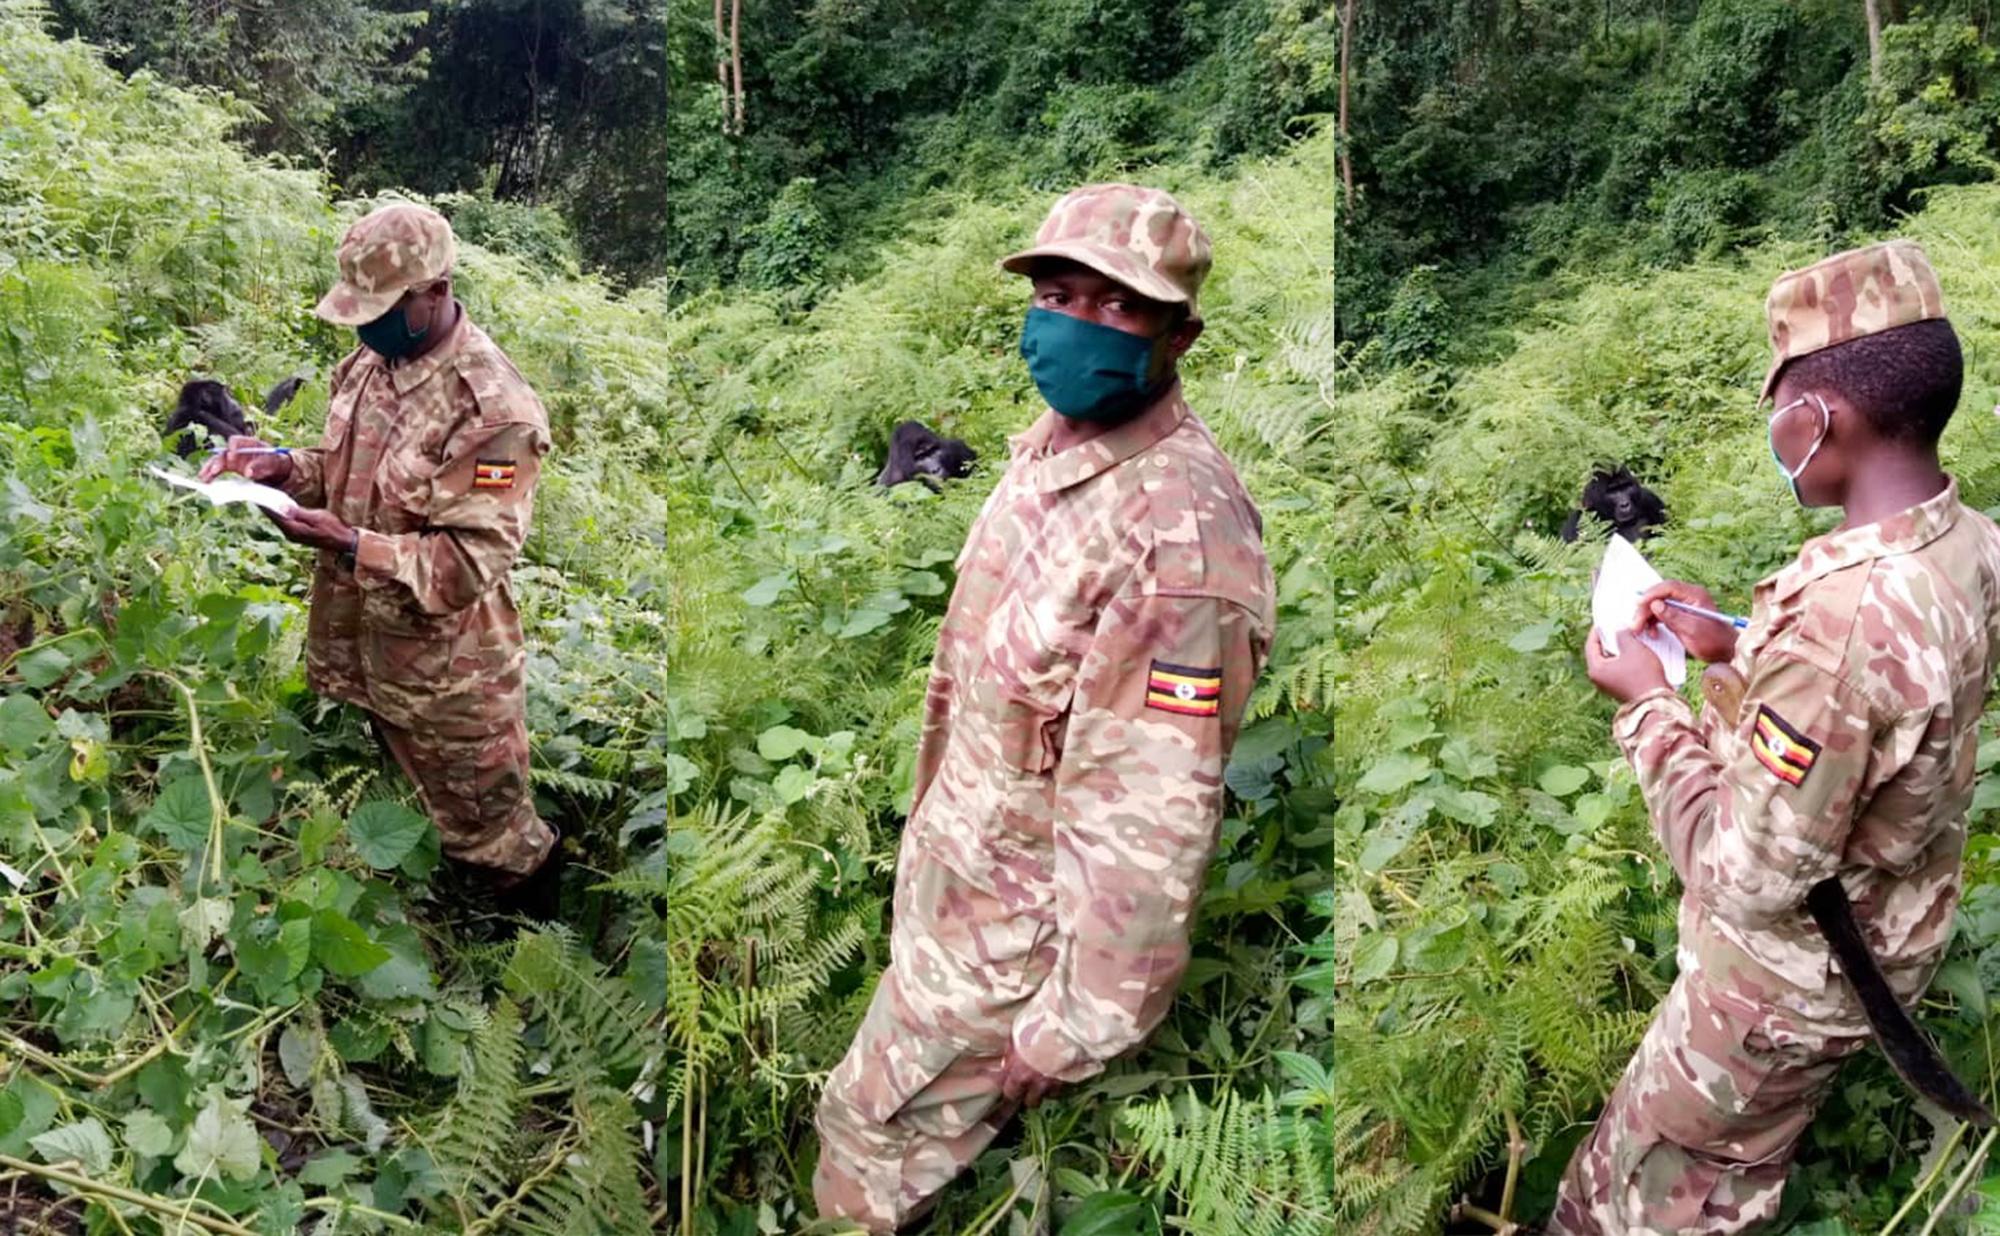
(1504,921)
(238,992)
(802,618)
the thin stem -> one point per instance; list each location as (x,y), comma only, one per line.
(144,1201)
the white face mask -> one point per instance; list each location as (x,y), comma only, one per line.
(1792,475)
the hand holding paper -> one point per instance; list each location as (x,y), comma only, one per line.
(1622,579)
(225,489)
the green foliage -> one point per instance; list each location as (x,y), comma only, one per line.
(804,616)
(1504,921)
(220,917)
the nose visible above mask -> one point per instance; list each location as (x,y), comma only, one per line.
(1087,371)
(1792,475)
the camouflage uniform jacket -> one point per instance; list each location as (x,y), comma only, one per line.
(435,460)
(1113,608)
(1866,665)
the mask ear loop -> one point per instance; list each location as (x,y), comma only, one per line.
(1825,425)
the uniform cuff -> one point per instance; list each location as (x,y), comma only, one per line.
(374,560)
(1633,715)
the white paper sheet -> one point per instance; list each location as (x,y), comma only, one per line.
(225,489)
(1622,578)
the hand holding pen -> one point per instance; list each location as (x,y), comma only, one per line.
(251,458)
(1689,612)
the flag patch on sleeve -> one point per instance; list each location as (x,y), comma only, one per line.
(1181,689)
(493,474)
(1786,752)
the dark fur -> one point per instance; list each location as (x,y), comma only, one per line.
(207,405)
(1909,1052)
(917,454)
(1616,497)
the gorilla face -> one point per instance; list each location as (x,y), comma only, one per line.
(915,453)
(1616,497)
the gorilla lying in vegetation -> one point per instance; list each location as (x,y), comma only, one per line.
(1616,497)
(206,404)
(917,454)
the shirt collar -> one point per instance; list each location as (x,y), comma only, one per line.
(411,374)
(1106,451)
(1904,532)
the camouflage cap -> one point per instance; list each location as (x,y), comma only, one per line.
(385,253)
(1140,237)
(1860,292)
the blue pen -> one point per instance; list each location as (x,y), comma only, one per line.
(1732,620)
(254,450)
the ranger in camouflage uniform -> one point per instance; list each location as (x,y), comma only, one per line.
(1850,754)
(1113,608)
(418,499)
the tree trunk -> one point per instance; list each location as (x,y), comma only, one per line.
(722,65)
(736,56)
(1874,12)
(1346,39)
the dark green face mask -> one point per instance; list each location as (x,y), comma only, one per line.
(1090,372)
(390,335)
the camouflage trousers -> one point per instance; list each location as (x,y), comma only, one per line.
(917,1097)
(1700,1133)
(476,791)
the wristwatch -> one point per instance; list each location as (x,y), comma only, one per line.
(346,558)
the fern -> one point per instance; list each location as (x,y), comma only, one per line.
(1240,1167)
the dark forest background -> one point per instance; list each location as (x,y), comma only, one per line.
(768,143)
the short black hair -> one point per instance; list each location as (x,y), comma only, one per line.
(1905,380)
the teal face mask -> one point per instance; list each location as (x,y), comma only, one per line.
(390,336)
(1792,475)
(1090,372)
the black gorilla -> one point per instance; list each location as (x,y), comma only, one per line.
(1616,497)
(917,454)
(207,404)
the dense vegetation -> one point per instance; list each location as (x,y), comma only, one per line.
(1566,219)
(239,993)
(805,609)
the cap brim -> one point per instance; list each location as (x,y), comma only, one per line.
(1117,264)
(1771,378)
(346,305)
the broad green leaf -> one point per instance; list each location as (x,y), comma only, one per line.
(1112,1213)
(1960,977)
(1593,809)
(1394,772)
(342,946)
(221,1143)
(862,621)
(764,593)
(1532,638)
(1382,846)
(42,667)
(83,1142)
(1464,762)
(272,953)
(382,832)
(146,1133)
(23,724)
(329,1169)
(318,828)
(1305,1070)
(11,1112)
(782,742)
(1374,957)
(299,1050)
(181,814)
(407,973)
(792,783)
(1562,780)
(681,773)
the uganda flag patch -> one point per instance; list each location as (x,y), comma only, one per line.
(1190,692)
(493,474)
(1786,752)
